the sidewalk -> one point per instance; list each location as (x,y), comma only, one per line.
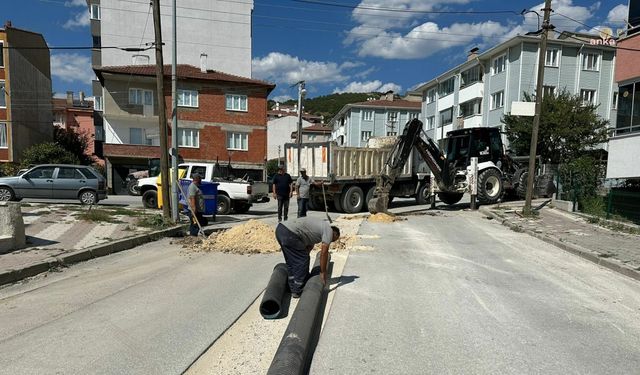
(612,248)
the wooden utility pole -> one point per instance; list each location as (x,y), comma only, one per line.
(546,26)
(162,114)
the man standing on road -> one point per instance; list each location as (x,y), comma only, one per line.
(282,191)
(196,203)
(303,185)
(297,238)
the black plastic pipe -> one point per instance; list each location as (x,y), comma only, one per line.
(294,353)
(271,305)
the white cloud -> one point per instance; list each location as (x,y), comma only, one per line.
(281,98)
(369,86)
(75,3)
(287,69)
(79,20)
(618,15)
(72,67)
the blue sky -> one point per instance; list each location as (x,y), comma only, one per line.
(336,45)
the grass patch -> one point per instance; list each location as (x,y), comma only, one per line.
(154,222)
(124,211)
(26,205)
(98,216)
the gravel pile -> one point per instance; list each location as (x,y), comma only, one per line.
(382,217)
(252,237)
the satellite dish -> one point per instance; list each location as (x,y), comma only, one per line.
(606,33)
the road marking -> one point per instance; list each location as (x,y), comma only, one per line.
(616,327)
(482,304)
(54,231)
(96,235)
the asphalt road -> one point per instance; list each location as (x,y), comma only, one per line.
(459,294)
(150,310)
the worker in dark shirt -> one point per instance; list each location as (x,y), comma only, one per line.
(282,191)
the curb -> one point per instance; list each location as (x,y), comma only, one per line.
(573,249)
(64,260)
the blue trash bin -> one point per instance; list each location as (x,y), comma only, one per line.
(209,193)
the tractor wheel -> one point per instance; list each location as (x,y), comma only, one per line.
(353,200)
(450,198)
(489,186)
(150,199)
(521,189)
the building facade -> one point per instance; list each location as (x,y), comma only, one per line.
(77,115)
(220,116)
(357,122)
(479,92)
(25,92)
(279,131)
(624,146)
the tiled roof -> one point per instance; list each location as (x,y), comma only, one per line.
(183,71)
(317,128)
(398,103)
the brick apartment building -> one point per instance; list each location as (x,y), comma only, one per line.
(25,92)
(220,117)
(77,115)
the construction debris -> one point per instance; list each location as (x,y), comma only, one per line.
(252,237)
(382,217)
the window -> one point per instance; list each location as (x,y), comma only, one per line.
(365,135)
(70,174)
(189,138)
(548,91)
(499,64)
(3,135)
(446,87)
(199,169)
(97,103)
(187,98)
(431,121)
(552,57)
(413,115)
(367,115)
(590,61)
(471,76)
(1,54)
(96,41)
(3,99)
(44,172)
(135,96)
(588,97)
(446,117)
(238,141)
(136,136)
(392,117)
(311,137)
(392,134)
(431,96)
(614,105)
(94,11)
(236,103)
(471,108)
(497,100)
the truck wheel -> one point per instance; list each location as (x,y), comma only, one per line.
(450,198)
(337,199)
(422,196)
(311,206)
(241,207)
(489,186)
(150,199)
(224,205)
(369,197)
(353,200)
(132,188)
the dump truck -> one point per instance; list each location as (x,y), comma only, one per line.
(349,173)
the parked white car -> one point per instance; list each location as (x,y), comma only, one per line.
(235,194)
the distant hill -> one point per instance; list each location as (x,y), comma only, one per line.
(329,105)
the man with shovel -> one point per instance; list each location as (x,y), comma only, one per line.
(196,205)
(296,238)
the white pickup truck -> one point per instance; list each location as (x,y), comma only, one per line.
(235,194)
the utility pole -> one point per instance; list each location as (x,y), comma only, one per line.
(546,26)
(174,120)
(162,114)
(301,94)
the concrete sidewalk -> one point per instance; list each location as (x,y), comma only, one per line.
(616,249)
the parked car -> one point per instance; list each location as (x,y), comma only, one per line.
(56,181)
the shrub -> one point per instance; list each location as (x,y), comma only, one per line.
(48,153)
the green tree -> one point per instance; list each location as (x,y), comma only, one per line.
(568,129)
(48,153)
(74,142)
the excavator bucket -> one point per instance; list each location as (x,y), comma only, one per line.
(379,204)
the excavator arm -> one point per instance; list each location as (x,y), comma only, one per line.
(398,158)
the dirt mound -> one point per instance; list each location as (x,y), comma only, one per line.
(252,237)
(382,217)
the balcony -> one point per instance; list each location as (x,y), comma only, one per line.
(472,91)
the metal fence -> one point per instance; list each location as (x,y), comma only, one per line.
(624,204)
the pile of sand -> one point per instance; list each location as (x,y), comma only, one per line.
(382,217)
(252,237)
